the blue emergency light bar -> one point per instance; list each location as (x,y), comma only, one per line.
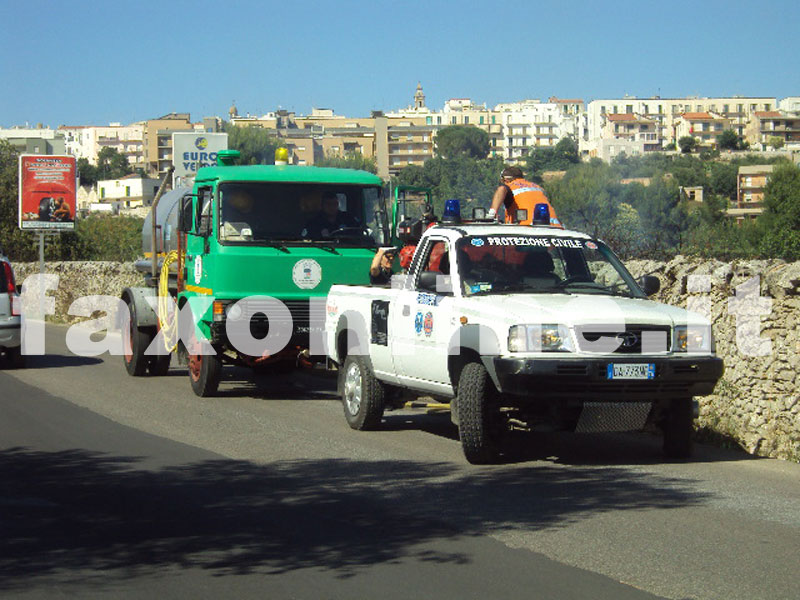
(452,211)
(541,214)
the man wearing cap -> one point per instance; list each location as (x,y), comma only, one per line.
(515,193)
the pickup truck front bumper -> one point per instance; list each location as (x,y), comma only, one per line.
(586,378)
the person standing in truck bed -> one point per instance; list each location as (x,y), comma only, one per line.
(515,192)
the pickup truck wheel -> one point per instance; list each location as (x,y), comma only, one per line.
(476,421)
(678,429)
(205,372)
(362,394)
(135,343)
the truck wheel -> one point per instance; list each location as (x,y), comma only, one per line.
(476,420)
(362,394)
(159,364)
(136,341)
(205,372)
(15,357)
(678,429)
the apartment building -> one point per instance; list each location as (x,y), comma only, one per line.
(532,123)
(667,113)
(790,104)
(751,182)
(87,141)
(773,124)
(705,127)
(157,138)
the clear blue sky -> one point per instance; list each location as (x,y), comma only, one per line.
(88,62)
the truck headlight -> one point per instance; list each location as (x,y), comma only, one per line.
(233,311)
(692,338)
(540,338)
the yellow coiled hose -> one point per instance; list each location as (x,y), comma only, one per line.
(167,311)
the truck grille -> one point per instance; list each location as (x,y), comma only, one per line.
(636,339)
(300,312)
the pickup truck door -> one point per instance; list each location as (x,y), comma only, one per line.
(420,322)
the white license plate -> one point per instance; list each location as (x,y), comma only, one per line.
(631,371)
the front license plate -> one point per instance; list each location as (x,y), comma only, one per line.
(631,371)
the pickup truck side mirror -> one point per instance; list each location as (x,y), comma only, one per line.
(650,284)
(436,283)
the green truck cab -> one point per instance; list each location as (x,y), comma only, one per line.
(257,246)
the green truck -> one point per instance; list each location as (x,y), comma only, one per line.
(241,263)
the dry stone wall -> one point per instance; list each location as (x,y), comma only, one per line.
(756,404)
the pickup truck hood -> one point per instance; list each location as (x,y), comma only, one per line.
(576,309)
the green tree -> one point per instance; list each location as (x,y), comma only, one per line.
(587,199)
(461,140)
(351,160)
(687,144)
(775,142)
(87,172)
(781,218)
(728,140)
(471,180)
(722,179)
(256,145)
(107,237)
(557,158)
(111,164)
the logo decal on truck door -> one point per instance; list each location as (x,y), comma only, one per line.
(427,324)
(418,323)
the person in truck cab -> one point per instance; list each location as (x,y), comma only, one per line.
(237,214)
(328,220)
(515,192)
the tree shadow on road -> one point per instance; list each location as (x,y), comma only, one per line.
(78,510)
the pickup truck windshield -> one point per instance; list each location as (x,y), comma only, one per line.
(502,264)
(301,213)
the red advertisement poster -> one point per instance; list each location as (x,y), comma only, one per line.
(47,192)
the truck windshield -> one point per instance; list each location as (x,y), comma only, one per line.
(266,213)
(502,264)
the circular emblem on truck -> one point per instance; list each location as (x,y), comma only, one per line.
(201,143)
(628,339)
(306,274)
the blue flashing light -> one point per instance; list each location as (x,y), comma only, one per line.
(452,211)
(541,214)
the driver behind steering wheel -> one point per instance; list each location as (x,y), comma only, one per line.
(328,220)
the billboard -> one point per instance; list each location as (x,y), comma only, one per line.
(47,192)
(191,151)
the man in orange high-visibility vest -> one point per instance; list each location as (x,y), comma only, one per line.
(517,193)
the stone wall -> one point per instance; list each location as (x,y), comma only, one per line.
(78,279)
(756,404)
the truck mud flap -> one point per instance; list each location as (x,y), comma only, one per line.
(613,416)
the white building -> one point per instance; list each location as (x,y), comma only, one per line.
(87,141)
(34,140)
(131,191)
(666,113)
(790,104)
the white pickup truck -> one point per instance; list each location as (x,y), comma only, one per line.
(521,326)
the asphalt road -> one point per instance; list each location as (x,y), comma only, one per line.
(121,487)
